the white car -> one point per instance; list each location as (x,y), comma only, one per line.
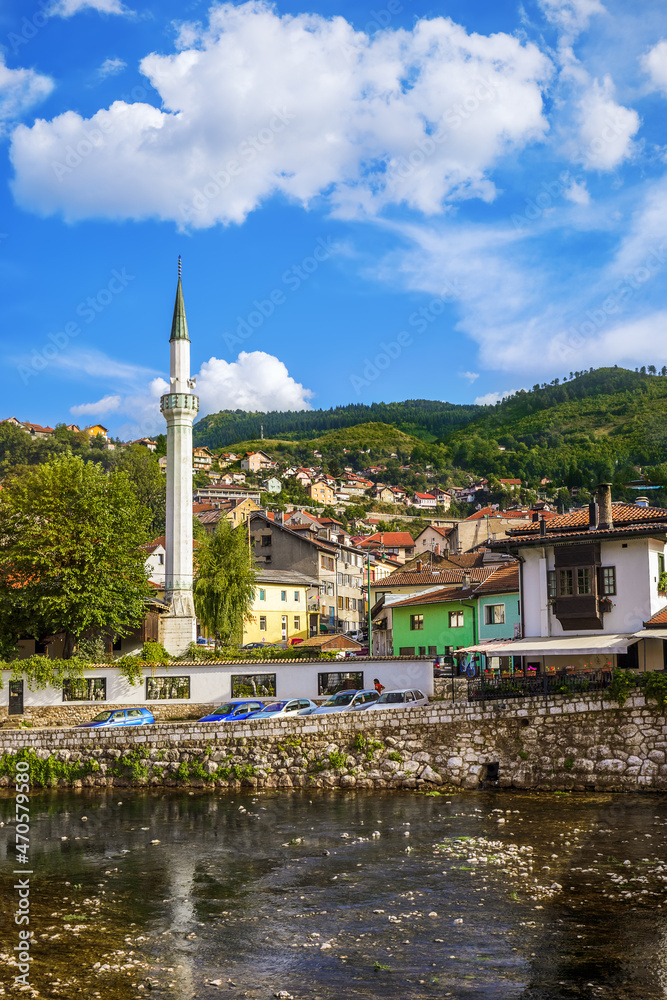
(401,698)
(348,701)
(277,709)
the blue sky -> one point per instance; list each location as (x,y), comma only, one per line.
(372,202)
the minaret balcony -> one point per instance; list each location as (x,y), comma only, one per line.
(179,401)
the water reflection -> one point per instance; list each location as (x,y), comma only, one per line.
(334,895)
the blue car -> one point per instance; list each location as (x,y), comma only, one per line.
(119,717)
(234,710)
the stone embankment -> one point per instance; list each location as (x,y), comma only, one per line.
(563,744)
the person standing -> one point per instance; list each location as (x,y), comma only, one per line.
(378,687)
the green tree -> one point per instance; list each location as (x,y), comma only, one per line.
(149,482)
(70,556)
(224,586)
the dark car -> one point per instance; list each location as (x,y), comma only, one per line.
(119,717)
(234,710)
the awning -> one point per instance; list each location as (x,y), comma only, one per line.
(652,633)
(616,642)
(494,647)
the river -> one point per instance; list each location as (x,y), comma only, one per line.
(332,896)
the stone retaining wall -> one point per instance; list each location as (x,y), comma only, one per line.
(583,745)
(72,713)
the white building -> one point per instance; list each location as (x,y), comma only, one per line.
(589,587)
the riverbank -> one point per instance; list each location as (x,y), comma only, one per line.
(560,745)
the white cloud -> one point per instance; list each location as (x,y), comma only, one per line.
(97,364)
(20,89)
(491,398)
(577,192)
(417,117)
(111,66)
(108,404)
(255,381)
(470,376)
(605,127)
(571,16)
(654,63)
(66,8)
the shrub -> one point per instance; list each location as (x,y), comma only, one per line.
(655,687)
(621,683)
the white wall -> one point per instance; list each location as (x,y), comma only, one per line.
(636,597)
(211,684)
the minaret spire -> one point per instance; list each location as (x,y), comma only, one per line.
(179,407)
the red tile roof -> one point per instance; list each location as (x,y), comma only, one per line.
(433,578)
(490,512)
(425,496)
(505,579)
(659,618)
(623,515)
(392,539)
(436,597)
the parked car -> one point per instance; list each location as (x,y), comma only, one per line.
(119,717)
(203,641)
(254,645)
(348,701)
(236,709)
(277,709)
(400,698)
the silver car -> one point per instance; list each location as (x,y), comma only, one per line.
(401,698)
(348,701)
(278,709)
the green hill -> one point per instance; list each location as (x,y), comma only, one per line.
(598,424)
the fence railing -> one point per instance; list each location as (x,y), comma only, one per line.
(537,686)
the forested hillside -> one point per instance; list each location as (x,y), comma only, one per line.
(597,424)
(423,418)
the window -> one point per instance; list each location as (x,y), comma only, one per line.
(353,603)
(341,603)
(339,578)
(283,595)
(432,650)
(326,562)
(334,681)
(85,689)
(406,651)
(494,614)
(332,611)
(266,540)
(297,596)
(566,582)
(297,623)
(416,622)
(253,685)
(262,623)
(608,581)
(551,583)
(584,580)
(661,564)
(262,594)
(160,559)
(163,688)
(456,619)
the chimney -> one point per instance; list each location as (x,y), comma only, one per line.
(534,516)
(436,550)
(466,580)
(420,565)
(604,500)
(593,515)
(543,527)
(641,502)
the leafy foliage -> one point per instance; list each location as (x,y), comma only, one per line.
(224,586)
(655,687)
(622,682)
(70,556)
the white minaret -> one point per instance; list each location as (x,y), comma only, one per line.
(179,406)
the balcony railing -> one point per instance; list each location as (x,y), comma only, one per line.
(538,686)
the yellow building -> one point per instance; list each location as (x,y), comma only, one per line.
(322,492)
(280,607)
